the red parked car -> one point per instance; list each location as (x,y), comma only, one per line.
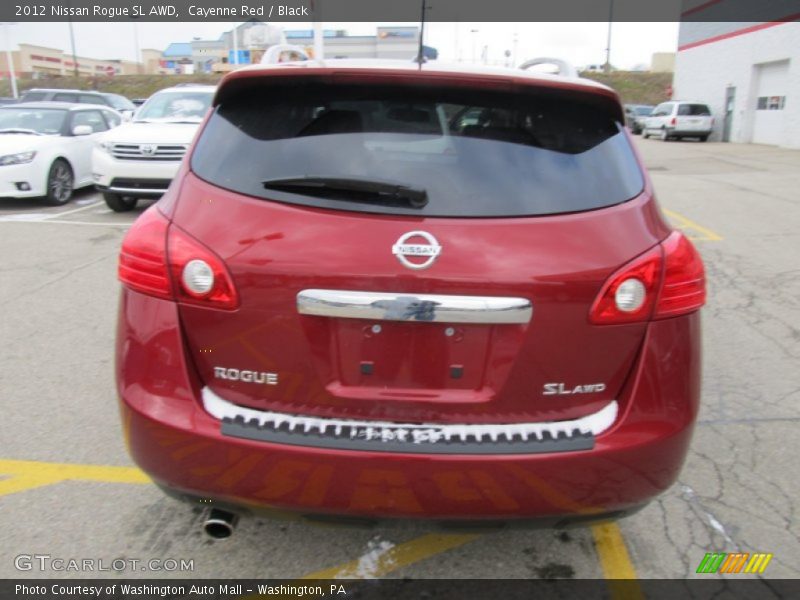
(402,291)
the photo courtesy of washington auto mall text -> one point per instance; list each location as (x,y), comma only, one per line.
(386,299)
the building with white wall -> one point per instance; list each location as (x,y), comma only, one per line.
(748,73)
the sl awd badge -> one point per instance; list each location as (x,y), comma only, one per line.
(417,245)
(560,389)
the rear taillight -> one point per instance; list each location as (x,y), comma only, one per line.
(164,261)
(611,305)
(684,287)
(200,277)
(142,259)
(674,121)
(666,281)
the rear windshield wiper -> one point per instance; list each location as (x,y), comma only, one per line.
(353,190)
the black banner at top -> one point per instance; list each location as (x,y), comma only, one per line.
(401,10)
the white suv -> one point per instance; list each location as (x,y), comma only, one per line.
(679,119)
(139,159)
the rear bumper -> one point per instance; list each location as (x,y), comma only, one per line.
(688,132)
(180,445)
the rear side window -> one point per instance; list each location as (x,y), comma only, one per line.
(91,99)
(92,118)
(33,96)
(472,153)
(693,110)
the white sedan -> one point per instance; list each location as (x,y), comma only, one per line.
(46,148)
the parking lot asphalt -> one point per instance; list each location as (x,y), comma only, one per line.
(737,492)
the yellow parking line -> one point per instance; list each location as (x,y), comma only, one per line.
(398,557)
(616,562)
(29,474)
(685,223)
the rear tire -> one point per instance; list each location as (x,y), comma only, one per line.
(60,182)
(119,203)
(663,135)
(703,138)
(644,134)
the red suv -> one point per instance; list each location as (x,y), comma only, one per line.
(403,291)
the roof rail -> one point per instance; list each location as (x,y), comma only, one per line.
(273,55)
(565,69)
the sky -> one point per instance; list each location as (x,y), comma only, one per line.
(632,44)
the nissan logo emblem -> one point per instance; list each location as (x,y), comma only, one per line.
(416,245)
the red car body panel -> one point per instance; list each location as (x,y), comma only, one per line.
(167,353)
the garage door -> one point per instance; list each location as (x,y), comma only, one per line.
(770,101)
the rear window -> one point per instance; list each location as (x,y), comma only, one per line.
(693,110)
(473,153)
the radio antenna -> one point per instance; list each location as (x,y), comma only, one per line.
(421,51)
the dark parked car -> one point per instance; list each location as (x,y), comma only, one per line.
(119,103)
(635,115)
(393,290)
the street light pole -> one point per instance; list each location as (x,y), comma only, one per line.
(235,33)
(136,48)
(474,33)
(11,74)
(72,42)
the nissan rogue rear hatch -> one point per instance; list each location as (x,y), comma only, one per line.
(413,249)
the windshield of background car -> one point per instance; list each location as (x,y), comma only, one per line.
(643,111)
(46,121)
(120,102)
(175,106)
(475,153)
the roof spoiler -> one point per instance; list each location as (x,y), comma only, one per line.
(565,69)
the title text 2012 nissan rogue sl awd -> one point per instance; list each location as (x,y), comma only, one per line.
(378,291)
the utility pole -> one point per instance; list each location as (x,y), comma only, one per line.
(421,50)
(608,45)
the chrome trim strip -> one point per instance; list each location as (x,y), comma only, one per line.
(593,424)
(126,190)
(435,308)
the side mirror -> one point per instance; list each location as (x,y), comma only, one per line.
(82,130)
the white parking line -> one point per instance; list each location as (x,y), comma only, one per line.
(26,217)
(95,223)
(74,210)
(64,222)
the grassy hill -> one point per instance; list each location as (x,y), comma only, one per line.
(131,86)
(633,87)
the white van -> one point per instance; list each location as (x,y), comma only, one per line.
(679,119)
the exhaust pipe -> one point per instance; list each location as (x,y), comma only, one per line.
(220,524)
